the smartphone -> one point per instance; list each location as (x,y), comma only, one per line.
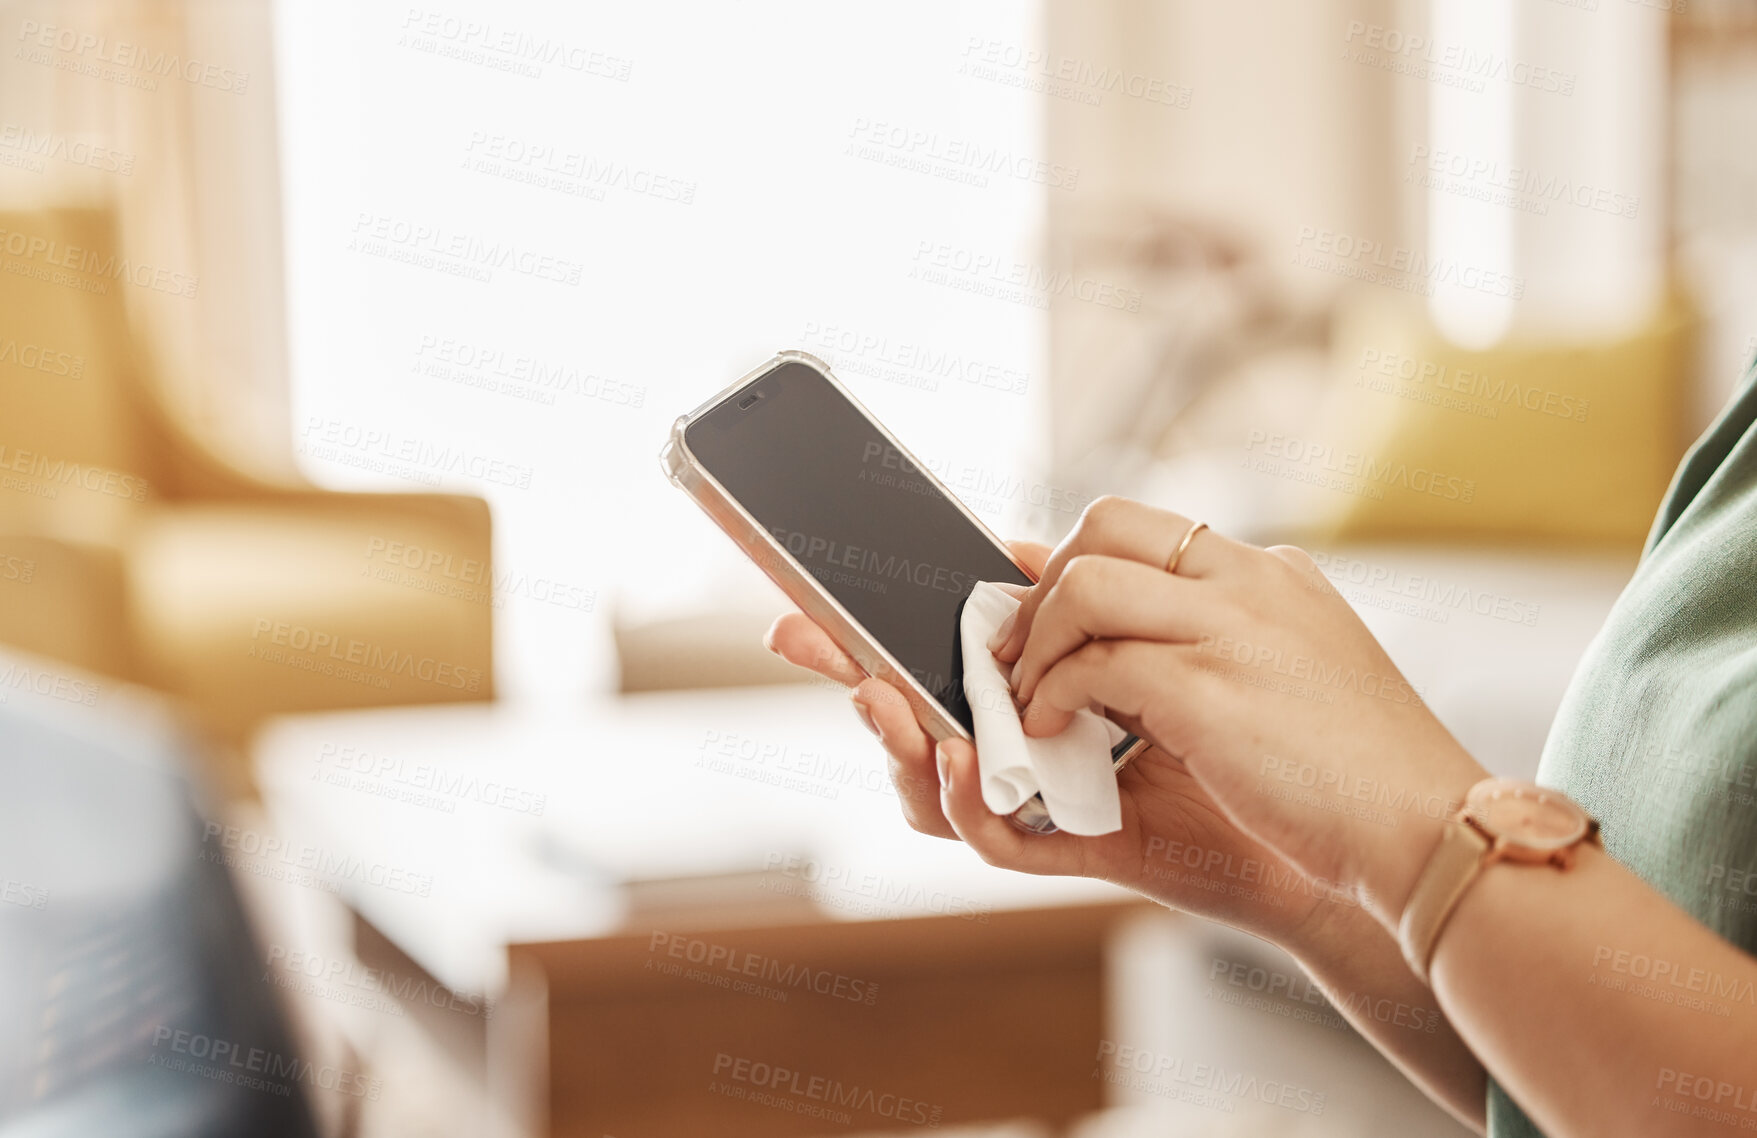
(857,532)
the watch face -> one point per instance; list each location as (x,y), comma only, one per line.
(1526,815)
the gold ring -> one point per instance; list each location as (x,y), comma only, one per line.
(1178,553)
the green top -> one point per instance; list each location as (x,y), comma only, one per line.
(1657,734)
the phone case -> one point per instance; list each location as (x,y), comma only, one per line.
(804,590)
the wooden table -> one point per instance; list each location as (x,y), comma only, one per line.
(752,829)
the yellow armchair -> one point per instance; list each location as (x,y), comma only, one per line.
(129,548)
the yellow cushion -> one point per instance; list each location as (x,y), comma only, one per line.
(1527,442)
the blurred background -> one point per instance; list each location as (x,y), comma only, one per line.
(390,750)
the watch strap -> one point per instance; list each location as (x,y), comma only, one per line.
(1451,868)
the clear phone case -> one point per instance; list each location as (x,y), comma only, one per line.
(688,474)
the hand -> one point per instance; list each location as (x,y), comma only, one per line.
(1175,845)
(1249,667)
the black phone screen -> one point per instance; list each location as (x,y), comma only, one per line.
(858,515)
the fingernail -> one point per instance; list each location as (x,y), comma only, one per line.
(944,761)
(1013,676)
(1003,633)
(1014,647)
(864,710)
(865,714)
(769,640)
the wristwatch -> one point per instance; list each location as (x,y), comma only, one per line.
(1503,819)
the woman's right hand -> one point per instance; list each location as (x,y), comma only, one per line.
(1175,845)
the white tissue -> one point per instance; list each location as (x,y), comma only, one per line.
(1071,770)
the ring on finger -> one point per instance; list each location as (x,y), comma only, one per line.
(1177,554)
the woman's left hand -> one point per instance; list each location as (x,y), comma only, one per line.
(1252,669)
